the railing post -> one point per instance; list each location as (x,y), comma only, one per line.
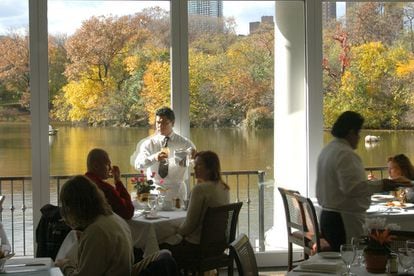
(261,176)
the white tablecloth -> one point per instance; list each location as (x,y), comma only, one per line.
(149,233)
(12,267)
(404,217)
(358,270)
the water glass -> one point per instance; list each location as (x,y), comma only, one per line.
(410,245)
(359,243)
(152,204)
(348,253)
(405,259)
(160,202)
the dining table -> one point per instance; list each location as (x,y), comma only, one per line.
(21,266)
(386,206)
(149,231)
(330,263)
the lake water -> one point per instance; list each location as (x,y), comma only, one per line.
(238,149)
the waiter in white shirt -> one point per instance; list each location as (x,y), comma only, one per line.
(170,166)
(342,188)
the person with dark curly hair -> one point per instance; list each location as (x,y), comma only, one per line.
(157,154)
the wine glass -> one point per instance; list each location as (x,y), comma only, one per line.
(152,204)
(348,253)
(405,259)
(410,245)
(359,243)
(161,199)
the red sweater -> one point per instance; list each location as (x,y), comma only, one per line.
(118,197)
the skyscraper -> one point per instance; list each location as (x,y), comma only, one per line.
(206,8)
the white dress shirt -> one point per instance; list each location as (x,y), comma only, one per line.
(342,184)
(146,158)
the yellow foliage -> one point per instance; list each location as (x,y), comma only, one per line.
(131,64)
(156,91)
(404,69)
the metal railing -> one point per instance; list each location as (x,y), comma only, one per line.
(246,186)
(17,215)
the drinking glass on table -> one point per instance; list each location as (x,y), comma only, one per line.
(405,258)
(410,245)
(348,253)
(152,204)
(359,243)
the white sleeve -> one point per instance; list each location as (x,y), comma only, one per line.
(145,155)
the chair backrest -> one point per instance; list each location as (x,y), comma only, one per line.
(301,221)
(244,255)
(294,220)
(219,228)
(310,222)
(2,198)
(400,237)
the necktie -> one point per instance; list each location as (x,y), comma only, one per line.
(163,166)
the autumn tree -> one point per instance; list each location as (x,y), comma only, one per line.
(374,21)
(14,66)
(371,86)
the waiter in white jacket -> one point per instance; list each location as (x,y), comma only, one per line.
(166,154)
(342,188)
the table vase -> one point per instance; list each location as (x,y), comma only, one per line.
(142,197)
(375,262)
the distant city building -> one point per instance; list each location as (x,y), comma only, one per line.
(206,15)
(254,26)
(206,8)
(328,12)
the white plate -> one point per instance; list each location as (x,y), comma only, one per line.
(330,255)
(382,198)
(152,217)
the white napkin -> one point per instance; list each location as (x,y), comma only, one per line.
(328,267)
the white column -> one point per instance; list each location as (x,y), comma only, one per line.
(298,105)
(39,109)
(180,101)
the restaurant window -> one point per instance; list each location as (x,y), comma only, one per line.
(367,67)
(109,68)
(15,118)
(231,94)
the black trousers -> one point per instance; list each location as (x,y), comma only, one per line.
(332,229)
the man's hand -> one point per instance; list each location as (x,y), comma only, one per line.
(116,173)
(161,156)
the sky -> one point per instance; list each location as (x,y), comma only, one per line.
(66,16)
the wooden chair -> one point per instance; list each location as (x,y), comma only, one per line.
(2,198)
(302,225)
(243,253)
(218,231)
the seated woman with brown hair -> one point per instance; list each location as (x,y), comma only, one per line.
(210,191)
(400,165)
(105,243)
